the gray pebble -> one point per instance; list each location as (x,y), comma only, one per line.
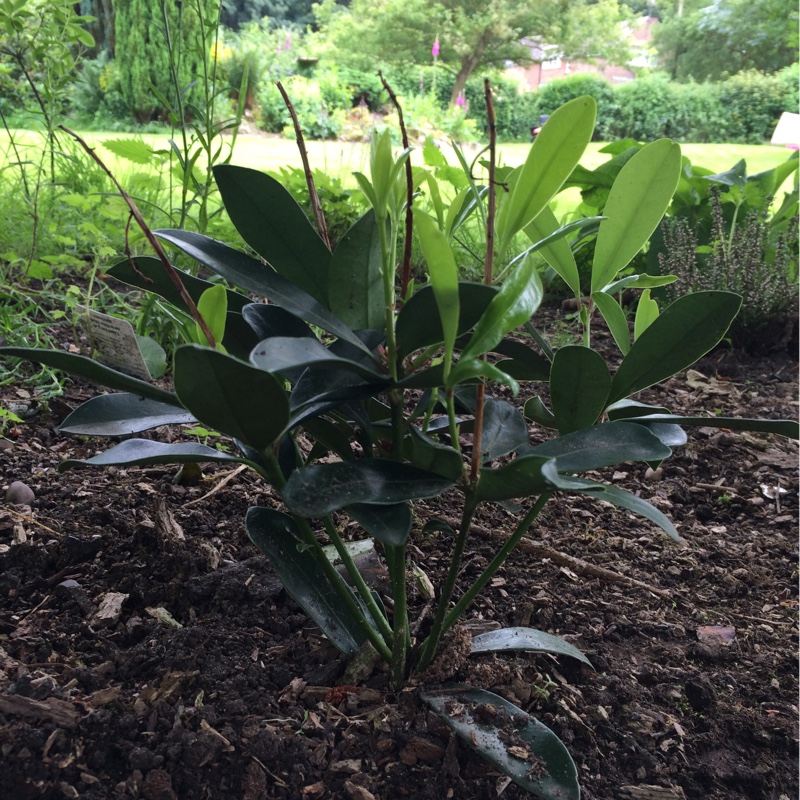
(19,493)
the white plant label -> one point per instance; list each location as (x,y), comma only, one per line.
(114,341)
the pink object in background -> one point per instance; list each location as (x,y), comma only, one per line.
(435,48)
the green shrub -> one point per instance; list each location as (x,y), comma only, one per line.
(317,119)
(754,103)
(642,109)
(554,94)
(97,98)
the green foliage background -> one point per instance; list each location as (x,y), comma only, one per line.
(142,55)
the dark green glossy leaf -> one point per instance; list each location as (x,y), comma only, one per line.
(148,273)
(513,305)
(611,494)
(521,478)
(547,772)
(322,488)
(536,411)
(425,453)
(684,332)
(93,371)
(253,276)
(231,396)
(282,353)
(529,639)
(122,415)
(273,224)
(504,429)
(388,524)
(142,452)
(419,325)
(443,273)
(276,535)
(579,386)
(332,438)
(627,408)
(355,286)
(779,427)
(267,320)
(602,446)
(524,363)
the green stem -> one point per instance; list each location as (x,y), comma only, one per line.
(400,644)
(502,554)
(278,480)
(388,298)
(437,628)
(451,418)
(540,340)
(358,579)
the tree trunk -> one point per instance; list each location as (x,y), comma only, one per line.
(469,64)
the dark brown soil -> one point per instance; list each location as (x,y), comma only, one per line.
(148,651)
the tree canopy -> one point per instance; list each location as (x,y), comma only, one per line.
(471,33)
(708,42)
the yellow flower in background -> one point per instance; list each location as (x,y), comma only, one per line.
(220,52)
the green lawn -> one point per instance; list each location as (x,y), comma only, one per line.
(342,158)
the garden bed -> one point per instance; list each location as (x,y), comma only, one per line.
(147,650)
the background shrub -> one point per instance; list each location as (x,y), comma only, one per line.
(316,118)
(555,93)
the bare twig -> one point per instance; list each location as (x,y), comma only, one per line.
(316,206)
(488,266)
(406,271)
(148,234)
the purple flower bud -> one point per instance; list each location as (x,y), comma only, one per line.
(435,48)
(460,100)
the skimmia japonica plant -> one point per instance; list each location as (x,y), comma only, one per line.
(353,405)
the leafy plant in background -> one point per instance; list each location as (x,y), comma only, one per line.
(43,40)
(353,405)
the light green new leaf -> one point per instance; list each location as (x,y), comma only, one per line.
(558,254)
(213,308)
(444,280)
(646,314)
(636,204)
(512,306)
(615,319)
(133,150)
(231,396)
(551,159)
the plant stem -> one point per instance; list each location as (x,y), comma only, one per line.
(502,554)
(437,629)
(313,197)
(388,298)
(277,479)
(406,271)
(148,234)
(358,579)
(397,569)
